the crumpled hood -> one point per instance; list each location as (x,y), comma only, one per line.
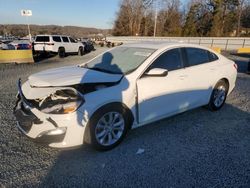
(71,75)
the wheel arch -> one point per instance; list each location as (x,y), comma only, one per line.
(225,80)
(128,112)
(61,47)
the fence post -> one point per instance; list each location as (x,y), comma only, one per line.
(226,45)
(244,41)
(212,43)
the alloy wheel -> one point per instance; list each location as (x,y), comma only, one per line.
(109,128)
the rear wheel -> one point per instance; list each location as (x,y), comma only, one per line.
(61,52)
(219,95)
(80,51)
(108,127)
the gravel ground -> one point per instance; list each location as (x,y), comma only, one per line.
(198,148)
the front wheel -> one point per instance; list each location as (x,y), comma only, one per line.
(218,96)
(108,127)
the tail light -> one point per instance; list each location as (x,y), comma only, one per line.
(235,66)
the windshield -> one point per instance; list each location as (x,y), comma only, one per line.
(120,60)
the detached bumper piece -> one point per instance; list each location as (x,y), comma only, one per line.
(26,119)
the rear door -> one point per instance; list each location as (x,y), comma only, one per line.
(73,45)
(200,72)
(66,44)
(57,42)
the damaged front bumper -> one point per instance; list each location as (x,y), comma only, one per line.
(26,119)
(53,130)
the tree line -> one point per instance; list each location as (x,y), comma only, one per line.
(196,18)
(20,30)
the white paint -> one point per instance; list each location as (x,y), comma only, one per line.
(26,12)
(158,97)
(53,46)
(66,76)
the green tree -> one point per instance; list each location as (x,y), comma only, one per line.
(189,28)
(245,19)
(223,16)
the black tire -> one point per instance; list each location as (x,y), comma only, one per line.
(61,52)
(96,118)
(80,51)
(218,96)
(248,68)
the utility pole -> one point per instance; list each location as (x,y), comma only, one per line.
(148,3)
(28,29)
(27,13)
(156,12)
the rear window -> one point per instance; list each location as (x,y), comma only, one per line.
(197,56)
(72,40)
(57,39)
(212,56)
(42,39)
(65,39)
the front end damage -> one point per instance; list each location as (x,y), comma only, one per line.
(55,116)
(53,119)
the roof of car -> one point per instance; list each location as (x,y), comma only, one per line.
(46,35)
(151,44)
(158,44)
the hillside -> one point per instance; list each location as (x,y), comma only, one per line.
(21,30)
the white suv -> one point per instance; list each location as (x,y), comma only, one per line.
(57,44)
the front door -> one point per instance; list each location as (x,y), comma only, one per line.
(161,96)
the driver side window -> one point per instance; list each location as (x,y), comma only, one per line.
(169,60)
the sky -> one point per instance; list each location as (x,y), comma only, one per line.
(86,13)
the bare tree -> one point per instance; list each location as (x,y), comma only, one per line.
(241,4)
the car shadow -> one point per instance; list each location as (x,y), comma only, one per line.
(246,55)
(38,58)
(242,61)
(194,149)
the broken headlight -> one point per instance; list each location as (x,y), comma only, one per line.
(61,102)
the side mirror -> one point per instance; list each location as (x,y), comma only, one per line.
(157,72)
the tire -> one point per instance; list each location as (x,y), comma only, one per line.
(61,52)
(86,49)
(218,96)
(80,51)
(248,68)
(108,127)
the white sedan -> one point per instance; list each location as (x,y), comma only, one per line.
(126,87)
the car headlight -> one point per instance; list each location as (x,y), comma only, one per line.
(61,102)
